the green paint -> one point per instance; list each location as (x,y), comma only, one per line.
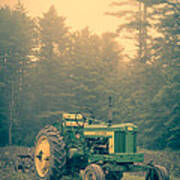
(119,142)
(130,142)
(118,157)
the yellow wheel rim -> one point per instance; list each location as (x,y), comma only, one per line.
(90,176)
(42,156)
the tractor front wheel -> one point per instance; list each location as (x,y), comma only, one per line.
(50,154)
(157,173)
(93,172)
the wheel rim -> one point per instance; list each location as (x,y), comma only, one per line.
(90,176)
(42,156)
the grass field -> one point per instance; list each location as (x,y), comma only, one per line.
(171,160)
(22,176)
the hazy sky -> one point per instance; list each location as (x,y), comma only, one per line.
(78,13)
(82,13)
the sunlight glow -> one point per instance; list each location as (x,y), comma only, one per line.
(78,13)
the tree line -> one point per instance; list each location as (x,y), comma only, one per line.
(46,69)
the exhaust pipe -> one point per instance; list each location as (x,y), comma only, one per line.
(110,111)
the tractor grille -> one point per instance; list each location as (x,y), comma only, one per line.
(125,142)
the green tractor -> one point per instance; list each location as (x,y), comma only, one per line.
(96,151)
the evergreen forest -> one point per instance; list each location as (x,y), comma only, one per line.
(46,69)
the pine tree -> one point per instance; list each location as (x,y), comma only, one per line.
(166,56)
(49,69)
(17,39)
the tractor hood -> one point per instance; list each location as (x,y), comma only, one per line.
(114,127)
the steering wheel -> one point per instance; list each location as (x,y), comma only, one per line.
(77,122)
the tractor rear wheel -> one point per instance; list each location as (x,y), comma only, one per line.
(93,172)
(50,154)
(157,173)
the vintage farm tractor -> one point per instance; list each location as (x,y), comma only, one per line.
(97,151)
